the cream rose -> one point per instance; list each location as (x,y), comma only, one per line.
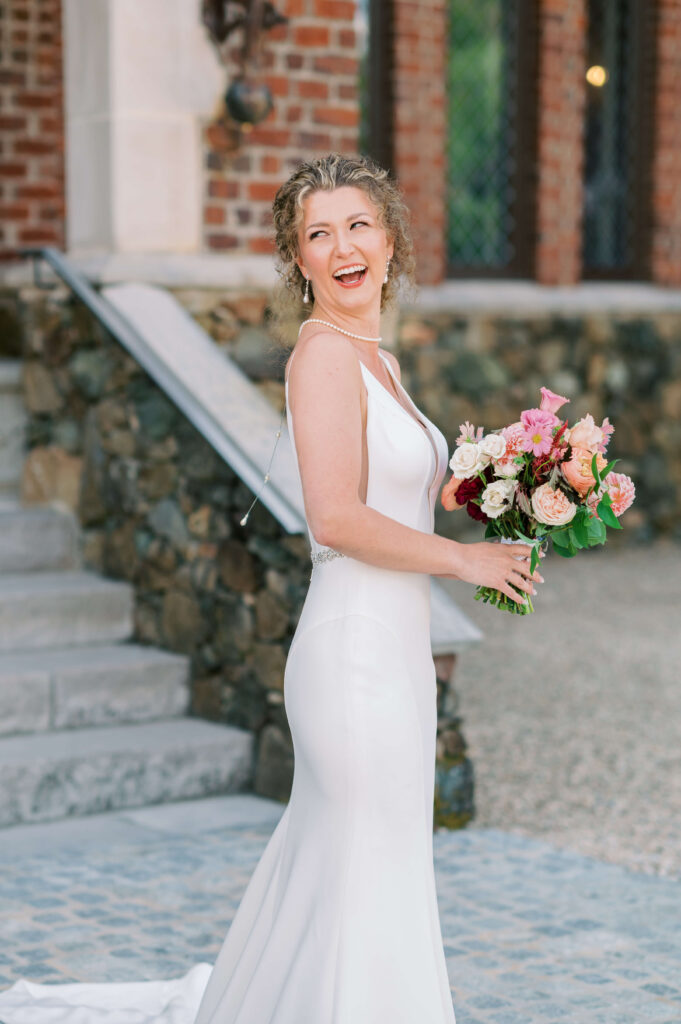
(553,508)
(467,460)
(493,445)
(498,497)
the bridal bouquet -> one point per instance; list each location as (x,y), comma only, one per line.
(538,479)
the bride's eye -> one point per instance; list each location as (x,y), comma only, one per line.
(359,222)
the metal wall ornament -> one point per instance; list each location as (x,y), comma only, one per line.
(248,100)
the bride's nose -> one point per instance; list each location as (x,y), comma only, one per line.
(343,246)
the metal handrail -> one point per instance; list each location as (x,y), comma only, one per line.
(233,454)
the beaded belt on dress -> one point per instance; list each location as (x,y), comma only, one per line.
(325,556)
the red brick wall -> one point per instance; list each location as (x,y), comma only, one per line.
(666,204)
(419,126)
(31,125)
(311,68)
(561,99)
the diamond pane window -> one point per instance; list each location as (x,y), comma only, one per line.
(617,120)
(486,109)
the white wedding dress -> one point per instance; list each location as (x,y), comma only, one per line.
(339,923)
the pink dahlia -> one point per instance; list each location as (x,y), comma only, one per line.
(538,430)
(622,491)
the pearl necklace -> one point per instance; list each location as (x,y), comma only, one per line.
(327,323)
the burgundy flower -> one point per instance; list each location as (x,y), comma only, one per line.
(468,489)
(475,512)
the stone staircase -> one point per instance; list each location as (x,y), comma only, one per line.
(88,720)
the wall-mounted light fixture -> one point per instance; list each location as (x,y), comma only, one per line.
(248,100)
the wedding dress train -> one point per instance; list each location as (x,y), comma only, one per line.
(339,923)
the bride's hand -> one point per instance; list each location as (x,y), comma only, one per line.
(490,564)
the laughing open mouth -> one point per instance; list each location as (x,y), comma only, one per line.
(351,275)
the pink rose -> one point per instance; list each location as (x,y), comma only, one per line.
(553,508)
(550,401)
(577,469)
(585,434)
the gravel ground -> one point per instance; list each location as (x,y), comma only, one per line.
(573,714)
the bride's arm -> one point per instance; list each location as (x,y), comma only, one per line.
(324,387)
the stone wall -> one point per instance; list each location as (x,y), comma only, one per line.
(160,509)
(487,368)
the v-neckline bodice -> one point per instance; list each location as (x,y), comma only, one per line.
(418,421)
(393,396)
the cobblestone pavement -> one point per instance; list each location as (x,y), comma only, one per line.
(573,714)
(533,934)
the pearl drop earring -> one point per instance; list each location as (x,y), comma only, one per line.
(387,268)
(306,296)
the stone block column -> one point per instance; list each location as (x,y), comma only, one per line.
(138,76)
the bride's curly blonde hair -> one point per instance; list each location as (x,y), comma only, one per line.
(324,174)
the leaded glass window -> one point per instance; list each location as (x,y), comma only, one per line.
(490,112)
(617,124)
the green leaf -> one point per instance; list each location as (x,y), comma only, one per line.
(608,468)
(594,470)
(580,532)
(534,559)
(608,516)
(565,552)
(561,538)
(597,532)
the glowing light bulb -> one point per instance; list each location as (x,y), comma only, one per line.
(597,75)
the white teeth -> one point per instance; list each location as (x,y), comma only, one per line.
(350,270)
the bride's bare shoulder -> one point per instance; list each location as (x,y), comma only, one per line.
(322,355)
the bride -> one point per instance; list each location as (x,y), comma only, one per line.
(339,923)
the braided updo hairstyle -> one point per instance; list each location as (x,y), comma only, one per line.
(324,174)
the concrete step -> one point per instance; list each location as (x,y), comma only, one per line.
(37,538)
(56,775)
(76,687)
(62,609)
(12,426)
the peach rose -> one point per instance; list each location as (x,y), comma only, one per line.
(585,434)
(553,508)
(577,469)
(448,495)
